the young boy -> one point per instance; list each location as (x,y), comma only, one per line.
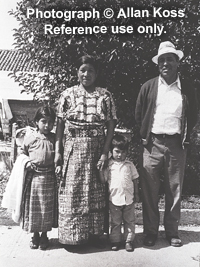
(122,178)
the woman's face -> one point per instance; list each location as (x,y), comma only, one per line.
(87,74)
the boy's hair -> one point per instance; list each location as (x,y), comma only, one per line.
(119,141)
(44,112)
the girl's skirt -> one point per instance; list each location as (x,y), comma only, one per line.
(40,202)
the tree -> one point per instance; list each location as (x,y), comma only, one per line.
(125,57)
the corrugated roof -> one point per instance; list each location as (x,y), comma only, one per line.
(14,60)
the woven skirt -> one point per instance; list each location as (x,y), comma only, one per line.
(81,194)
(40,202)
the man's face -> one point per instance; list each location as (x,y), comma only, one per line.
(168,64)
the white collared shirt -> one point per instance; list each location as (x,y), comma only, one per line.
(120,176)
(167,117)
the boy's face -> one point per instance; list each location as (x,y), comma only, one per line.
(118,154)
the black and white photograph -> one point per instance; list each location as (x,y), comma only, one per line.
(100,133)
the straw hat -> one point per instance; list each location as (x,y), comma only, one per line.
(167,47)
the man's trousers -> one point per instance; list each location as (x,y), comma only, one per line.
(164,157)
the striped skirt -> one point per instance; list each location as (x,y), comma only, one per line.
(40,202)
(81,195)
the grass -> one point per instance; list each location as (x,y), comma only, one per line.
(187,202)
(5,170)
(5,160)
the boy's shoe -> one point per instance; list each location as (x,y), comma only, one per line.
(115,246)
(129,246)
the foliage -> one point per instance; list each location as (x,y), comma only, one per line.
(125,58)
(192,183)
(5,163)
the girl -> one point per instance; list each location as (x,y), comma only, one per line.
(84,110)
(39,211)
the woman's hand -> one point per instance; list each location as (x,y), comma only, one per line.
(102,162)
(58,170)
(110,125)
(58,159)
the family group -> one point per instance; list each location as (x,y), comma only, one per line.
(93,165)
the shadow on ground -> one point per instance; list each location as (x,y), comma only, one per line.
(161,243)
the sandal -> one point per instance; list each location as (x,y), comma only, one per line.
(34,243)
(44,242)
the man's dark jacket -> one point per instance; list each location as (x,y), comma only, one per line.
(146,104)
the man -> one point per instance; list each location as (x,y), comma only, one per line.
(166,112)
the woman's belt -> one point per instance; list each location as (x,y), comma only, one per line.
(42,169)
(86,132)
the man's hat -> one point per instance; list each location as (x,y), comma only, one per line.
(167,47)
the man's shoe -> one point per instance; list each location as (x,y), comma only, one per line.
(174,241)
(150,240)
(129,246)
(115,246)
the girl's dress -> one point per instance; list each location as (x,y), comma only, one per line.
(39,201)
(82,196)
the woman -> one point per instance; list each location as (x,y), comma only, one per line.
(83,112)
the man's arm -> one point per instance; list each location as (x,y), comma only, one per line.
(136,190)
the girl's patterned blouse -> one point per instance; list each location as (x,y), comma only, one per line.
(40,148)
(77,105)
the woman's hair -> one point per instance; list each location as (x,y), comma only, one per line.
(119,141)
(87,59)
(44,112)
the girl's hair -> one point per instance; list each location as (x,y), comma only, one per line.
(119,141)
(87,59)
(44,112)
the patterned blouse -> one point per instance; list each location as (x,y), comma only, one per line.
(40,148)
(77,105)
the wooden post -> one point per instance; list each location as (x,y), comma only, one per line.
(13,152)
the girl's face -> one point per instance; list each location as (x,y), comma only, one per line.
(87,75)
(118,154)
(45,125)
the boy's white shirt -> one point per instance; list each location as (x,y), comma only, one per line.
(120,176)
